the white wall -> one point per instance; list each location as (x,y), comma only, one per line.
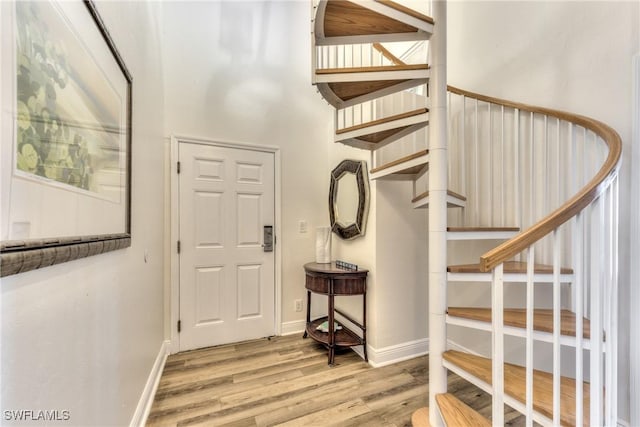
(402,273)
(394,250)
(573,56)
(83,336)
(240,71)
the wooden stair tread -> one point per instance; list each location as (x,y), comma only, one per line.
(472,229)
(517,317)
(456,414)
(515,385)
(509,267)
(345,18)
(426,194)
(400,161)
(408,11)
(420,418)
(375,69)
(377,137)
(350,90)
(384,120)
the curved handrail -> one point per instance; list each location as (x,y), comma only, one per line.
(571,207)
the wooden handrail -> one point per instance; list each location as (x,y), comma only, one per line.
(387,54)
(575,204)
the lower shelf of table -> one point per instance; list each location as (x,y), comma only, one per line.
(343,337)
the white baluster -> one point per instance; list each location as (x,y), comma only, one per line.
(490,151)
(578,285)
(518,191)
(497,315)
(556,327)
(502,168)
(529,337)
(596,296)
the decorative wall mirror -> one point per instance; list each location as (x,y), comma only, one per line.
(349,199)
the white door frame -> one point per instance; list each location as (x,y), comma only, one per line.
(175,228)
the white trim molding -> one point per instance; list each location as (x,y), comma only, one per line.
(149,392)
(292,327)
(384,356)
(634,274)
(452,345)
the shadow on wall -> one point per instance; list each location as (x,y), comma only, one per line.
(248,78)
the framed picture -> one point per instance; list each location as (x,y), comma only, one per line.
(66,136)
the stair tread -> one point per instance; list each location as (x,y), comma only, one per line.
(420,418)
(456,413)
(374,69)
(383,120)
(517,317)
(509,267)
(345,18)
(515,385)
(407,10)
(350,90)
(377,137)
(410,170)
(426,194)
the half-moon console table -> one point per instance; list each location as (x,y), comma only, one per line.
(327,279)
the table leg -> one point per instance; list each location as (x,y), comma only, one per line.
(308,314)
(364,325)
(332,346)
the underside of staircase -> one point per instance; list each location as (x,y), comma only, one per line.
(343,24)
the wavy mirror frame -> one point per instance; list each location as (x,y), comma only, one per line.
(359,169)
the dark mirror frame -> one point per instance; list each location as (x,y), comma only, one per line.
(19,256)
(359,169)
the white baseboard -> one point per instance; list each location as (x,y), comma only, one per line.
(146,399)
(293,327)
(452,345)
(395,353)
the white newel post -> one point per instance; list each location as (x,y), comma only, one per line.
(437,208)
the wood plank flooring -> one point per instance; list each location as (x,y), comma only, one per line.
(286,381)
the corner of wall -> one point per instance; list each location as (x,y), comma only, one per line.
(148,393)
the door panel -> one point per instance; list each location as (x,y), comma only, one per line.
(227,283)
(248,291)
(208,205)
(209,283)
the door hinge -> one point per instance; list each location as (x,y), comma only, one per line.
(178,167)
(179,246)
(179,326)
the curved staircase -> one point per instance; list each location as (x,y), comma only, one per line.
(540,184)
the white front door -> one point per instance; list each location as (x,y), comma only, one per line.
(227,290)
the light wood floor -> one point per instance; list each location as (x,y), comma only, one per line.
(286,381)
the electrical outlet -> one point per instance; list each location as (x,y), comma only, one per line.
(297,304)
